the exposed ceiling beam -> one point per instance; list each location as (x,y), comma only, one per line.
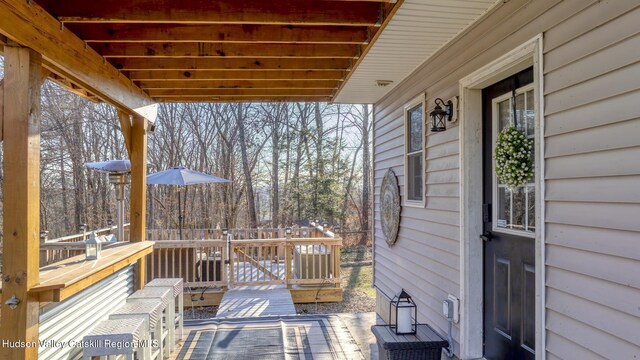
(66,84)
(56,75)
(203,75)
(220,33)
(33,27)
(235,84)
(229,50)
(230,64)
(206,99)
(238,92)
(301,12)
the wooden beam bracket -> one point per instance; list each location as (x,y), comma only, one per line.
(34,27)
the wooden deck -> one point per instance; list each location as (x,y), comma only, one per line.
(256,301)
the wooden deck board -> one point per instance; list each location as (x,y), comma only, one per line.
(251,302)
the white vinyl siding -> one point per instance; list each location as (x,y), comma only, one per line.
(592,172)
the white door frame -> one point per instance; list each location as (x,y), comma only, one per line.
(471,191)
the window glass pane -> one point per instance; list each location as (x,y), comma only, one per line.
(515,208)
(414,174)
(521,119)
(415,129)
(519,209)
(530,114)
(503,207)
(504,114)
(531,208)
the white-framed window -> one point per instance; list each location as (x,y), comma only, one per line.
(414,164)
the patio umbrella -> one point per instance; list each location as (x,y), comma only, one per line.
(118,171)
(181,176)
(111,166)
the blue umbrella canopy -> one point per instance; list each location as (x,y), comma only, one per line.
(111,166)
(179,175)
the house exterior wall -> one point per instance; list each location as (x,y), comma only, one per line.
(592,173)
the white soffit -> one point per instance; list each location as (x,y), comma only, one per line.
(417,30)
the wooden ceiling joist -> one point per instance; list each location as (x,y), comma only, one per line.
(205,75)
(253,98)
(229,50)
(297,12)
(220,33)
(234,84)
(229,64)
(238,92)
(32,26)
(198,50)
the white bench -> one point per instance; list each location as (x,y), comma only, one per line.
(167,300)
(117,337)
(176,285)
(151,311)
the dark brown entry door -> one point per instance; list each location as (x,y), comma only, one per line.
(509,228)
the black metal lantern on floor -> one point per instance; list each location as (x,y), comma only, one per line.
(406,314)
(440,116)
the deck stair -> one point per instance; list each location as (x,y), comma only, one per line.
(256,301)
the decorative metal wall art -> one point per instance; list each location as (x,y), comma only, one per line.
(390,207)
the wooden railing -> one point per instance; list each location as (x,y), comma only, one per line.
(258,262)
(240,233)
(200,263)
(309,256)
(83,236)
(313,262)
(62,248)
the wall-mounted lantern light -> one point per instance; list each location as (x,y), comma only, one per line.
(287,231)
(406,319)
(439,116)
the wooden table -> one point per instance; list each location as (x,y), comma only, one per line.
(426,344)
(63,279)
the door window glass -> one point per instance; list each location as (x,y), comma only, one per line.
(514,209)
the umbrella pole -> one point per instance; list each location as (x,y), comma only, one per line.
(180,212)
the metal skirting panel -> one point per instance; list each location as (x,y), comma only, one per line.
(62,324)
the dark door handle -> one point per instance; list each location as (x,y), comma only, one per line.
(486,236)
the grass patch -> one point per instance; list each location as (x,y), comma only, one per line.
(359,278)
(355,254)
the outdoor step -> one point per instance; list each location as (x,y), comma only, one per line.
(248,302)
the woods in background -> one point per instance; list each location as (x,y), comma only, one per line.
(287,162)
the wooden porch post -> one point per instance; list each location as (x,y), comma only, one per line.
(138,215)
(1,109)
(21,231)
